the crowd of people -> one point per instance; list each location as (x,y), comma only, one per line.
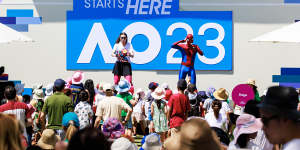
(79,114)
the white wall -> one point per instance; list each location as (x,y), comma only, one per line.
(45,59)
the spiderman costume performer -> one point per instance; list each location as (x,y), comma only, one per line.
(188,52)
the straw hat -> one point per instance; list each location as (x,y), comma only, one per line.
(159,93)
(194,134)
(48,139)
(221,94)
(251,82)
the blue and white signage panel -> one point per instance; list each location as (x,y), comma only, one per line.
(152,27)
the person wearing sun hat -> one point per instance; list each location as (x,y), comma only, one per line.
(158,112)
(138,115)
(49,90)
(112,129)
(123,144)
(222,95)
(253,85)
(280,117)
(195,134)
(152,142)
(76,86)
(123,87)
(48,140)
(245,131)
(207,103)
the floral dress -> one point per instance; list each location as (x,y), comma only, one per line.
(160,118)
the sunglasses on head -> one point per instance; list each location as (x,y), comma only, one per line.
(266,120)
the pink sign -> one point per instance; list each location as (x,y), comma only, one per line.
(242,93)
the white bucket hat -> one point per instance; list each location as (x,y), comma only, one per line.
(159,93)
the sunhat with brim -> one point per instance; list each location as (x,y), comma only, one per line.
(48,139)
(141,92)
(281,100)
(123,144)
(38,94)
(77,77)
(49,89)
(251,82)
(152,142)
(112,128)
(165,86)
(194,134)
(159,93)
(221,94)
(123,86)
(246,124)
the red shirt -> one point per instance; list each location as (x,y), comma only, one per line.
(19,109)
(179,106)
(168,94)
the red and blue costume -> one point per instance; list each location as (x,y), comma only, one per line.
(188,52)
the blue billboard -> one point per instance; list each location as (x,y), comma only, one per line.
(152,27)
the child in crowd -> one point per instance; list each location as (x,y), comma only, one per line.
(158,112)
(149,99)
(207,103)
(193,99)
(123,88)
(84,110)
(138,115)
(38,103)
(76,86)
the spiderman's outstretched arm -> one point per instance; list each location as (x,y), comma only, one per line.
(199,50)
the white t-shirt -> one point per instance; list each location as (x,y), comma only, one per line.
(119,47)
(138,107)
(225,108)
(221,122)
(292,145)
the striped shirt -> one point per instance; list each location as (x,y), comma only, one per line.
(19,109)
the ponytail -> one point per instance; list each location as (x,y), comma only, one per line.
(71,130)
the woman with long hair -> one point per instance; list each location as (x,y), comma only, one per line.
(123,51)
(10,133)
(89,85)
